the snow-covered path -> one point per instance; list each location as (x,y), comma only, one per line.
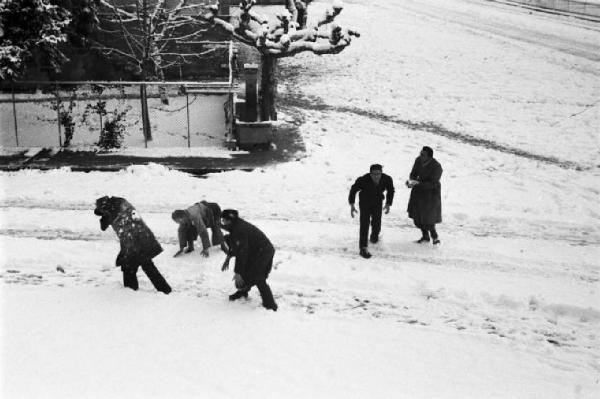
(508,306)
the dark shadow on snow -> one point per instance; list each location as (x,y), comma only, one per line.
(317,104)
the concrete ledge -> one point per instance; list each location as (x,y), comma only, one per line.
(250,134)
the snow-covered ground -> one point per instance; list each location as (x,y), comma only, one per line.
(507,307)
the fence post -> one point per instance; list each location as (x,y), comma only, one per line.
(142,92)
(58,115)
(15,114)
(187,107)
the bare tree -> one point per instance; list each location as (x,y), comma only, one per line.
(278,38)
(150,37)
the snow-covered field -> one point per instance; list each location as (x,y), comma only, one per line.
(507,307)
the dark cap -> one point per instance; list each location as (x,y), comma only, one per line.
(229,214)
(376,166)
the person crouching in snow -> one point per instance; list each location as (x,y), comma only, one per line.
(138,244)
(253,254)
(193,222)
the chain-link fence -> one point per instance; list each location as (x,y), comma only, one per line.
(76,114)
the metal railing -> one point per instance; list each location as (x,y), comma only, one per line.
(582,7)
(80,111)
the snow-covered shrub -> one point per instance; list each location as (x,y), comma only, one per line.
(113,130)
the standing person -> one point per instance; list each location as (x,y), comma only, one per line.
(193,222)
(253,254)
(138,244)
(371,187)
(425,203)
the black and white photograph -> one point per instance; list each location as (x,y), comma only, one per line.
(300,199)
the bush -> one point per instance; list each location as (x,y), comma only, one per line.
(113,130)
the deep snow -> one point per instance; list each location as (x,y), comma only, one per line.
(508,306)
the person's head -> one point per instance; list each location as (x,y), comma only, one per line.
(376,171)
(228,218)
(178,216)
(426,153)
(107,208)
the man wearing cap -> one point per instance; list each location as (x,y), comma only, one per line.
(253,254)
(371,187)
(425,203)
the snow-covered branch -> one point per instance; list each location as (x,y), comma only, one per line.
(279,38)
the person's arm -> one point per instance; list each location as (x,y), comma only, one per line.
(433,181)
(226,247)
(389,196)
(241,256)
(413,173)
(352,196)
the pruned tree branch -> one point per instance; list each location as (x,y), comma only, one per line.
(279,37)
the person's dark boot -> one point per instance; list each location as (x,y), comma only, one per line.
(374,239)
(188,250)
(436,241)
(237,295)
(422,240)
(364,252)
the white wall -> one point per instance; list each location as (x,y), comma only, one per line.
(37,125)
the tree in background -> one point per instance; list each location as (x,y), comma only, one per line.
(150,37)
(27,27)
(279,38)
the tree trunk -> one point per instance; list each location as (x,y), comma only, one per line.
(268,88)
(145,115)
(143,93)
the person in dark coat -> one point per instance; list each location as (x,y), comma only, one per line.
(253,254)
(138,244)
(371,187)
(425,203)
(195,221)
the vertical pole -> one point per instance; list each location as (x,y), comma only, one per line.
(58,115)
(15,114)
(142,96)
(187,107)
(251,113)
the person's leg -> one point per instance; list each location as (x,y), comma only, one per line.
(434,234)
(264,264)
(190,237)
(365,219)
(265,293)
(129,277)
(157,279)
(182,236)
(424,233)
(375,223)
(243,293)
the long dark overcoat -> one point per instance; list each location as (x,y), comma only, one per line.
(252,250)
(425,203)
(138,243)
